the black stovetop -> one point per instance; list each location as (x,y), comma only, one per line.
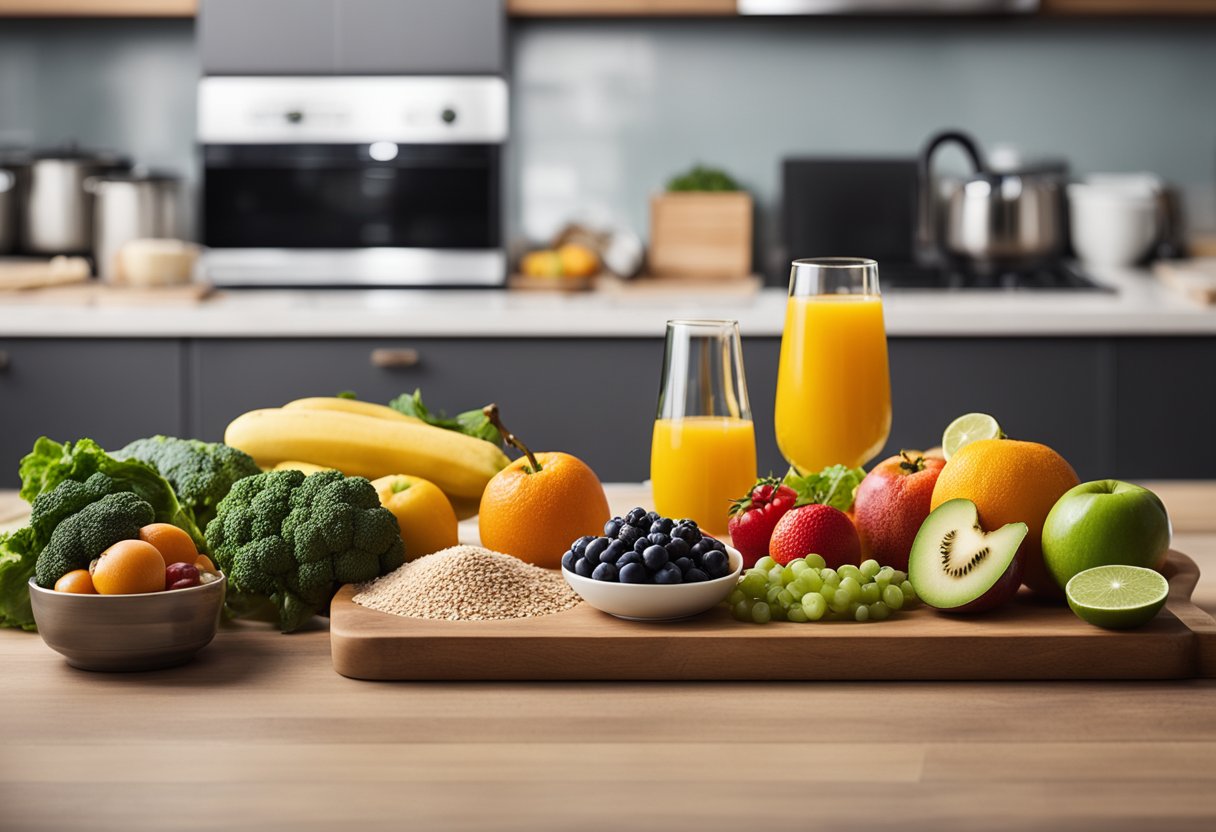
(1055,277)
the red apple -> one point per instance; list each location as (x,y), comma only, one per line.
(891,504)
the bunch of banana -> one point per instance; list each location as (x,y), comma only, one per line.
(368,440)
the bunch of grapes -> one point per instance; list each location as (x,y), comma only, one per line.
(807,589)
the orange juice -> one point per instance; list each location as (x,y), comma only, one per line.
(833,387)
(699,464)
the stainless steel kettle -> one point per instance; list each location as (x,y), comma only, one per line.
(1008,219)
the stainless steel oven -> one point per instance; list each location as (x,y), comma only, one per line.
(335,181)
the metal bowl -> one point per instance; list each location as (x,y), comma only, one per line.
(128,632)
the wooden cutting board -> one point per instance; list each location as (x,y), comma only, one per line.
(1028,640)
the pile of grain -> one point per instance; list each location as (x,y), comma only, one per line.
(468,583)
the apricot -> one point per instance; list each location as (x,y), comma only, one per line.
(129,567)
(78,581)
(174,545)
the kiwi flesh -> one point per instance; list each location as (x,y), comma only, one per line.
(956,566)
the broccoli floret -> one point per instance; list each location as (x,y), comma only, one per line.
(294,538)
(80,537)
(52,507)
(201,473)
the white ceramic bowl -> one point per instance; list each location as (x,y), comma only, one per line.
(1113,223)
(657,602)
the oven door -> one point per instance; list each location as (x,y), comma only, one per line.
(334,214)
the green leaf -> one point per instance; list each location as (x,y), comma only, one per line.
(833,486)
(471,423)
(347,394)
(17,562)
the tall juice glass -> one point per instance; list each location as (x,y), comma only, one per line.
(703,454)
(833,385)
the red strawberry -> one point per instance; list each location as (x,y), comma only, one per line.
(816,529)
(753,518)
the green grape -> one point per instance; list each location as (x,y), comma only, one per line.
(753,586)
(898,577)
(811,580)
(736,596)
(761,613)
(909,592)
(802,583)
(829,576)
(870,593)
(841,600)
(773,591)
(742,611)
(795,613)
(765,564)
(796,591)
(850,571)
(869,568)
(851,586)
(827,592)
(885,574)
(788,575)
(814,606)
(774,574)
(815,561)
(879,611)
(777,612)
(798,566)
(862,613)
(893,597)
(785,598)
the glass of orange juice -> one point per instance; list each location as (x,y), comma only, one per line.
(703,454)
(833,384)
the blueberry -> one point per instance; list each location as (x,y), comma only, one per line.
(633,573)
(629,534)
(701,547)
(636,516)
(655,558)
(641,545)
(605,572)
(716,563)
(677,548)
(613,527)
(583,567)
(595,548)
(568,560)
(686,531)
(651,517)
(684,564)
(658,538)
(613,551)
(695,575)
(662,525)
(628,558)
(718,545)
(669,574)
(579,546)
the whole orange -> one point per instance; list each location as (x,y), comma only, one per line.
(1010,482)
(129,567)
(536,515)
(78,581)
(174,545)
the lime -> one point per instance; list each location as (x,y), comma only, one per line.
(1117,597)
(966,429)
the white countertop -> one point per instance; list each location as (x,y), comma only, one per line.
(1141,306)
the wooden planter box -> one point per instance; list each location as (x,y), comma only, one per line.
(701,234)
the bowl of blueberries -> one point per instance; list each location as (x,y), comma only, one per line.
(646,567)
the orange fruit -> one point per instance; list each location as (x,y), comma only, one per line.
(205,564)
(536,515)
(174,545)
(1010,482)
(78,581)
(129,567)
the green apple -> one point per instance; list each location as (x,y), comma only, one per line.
(1105,522)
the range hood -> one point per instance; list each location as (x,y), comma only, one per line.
(887,7)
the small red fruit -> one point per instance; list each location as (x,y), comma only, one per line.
(181,576)
(753,518)
(816,529)
(892,503)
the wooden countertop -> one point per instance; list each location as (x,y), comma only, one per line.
(260,732)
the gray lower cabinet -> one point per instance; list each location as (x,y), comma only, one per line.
(111,390)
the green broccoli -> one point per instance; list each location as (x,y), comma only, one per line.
(293,539)
(82,536)
(52,507)
(201,473)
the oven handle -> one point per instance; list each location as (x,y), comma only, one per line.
(395,359)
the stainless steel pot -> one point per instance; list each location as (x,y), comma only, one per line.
(131,206)
(1006,219)
(57,211)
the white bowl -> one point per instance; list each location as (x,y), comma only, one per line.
(1112,224)
(656,602)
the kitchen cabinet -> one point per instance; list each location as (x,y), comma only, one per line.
(1129,7)
(111,390)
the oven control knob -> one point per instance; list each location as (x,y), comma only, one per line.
(448,115)
(294,116)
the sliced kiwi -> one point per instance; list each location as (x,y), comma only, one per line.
(956,566)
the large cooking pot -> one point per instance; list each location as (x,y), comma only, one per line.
(1011,218)
(130,206)
(57,214)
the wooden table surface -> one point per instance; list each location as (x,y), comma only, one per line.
(260,733)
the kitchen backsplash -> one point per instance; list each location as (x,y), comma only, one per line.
(605,112)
